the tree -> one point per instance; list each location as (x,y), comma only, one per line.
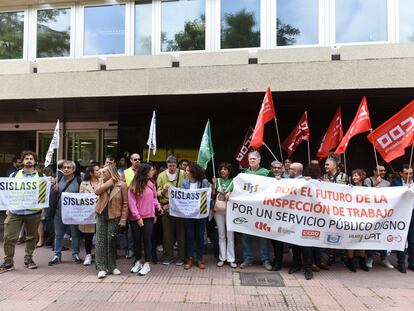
(286,33)
(238,30)
(11,35)
(51,43)
(193,37)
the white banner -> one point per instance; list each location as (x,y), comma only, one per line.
(78,208)
(189,203)
(24,193)
(320,214)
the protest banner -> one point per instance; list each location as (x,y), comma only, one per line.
(186,203)
(24,193)
(320,214)
(78,208)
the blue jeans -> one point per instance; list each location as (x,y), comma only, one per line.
(60,230)
(197,226)
(247,241)
(410,241)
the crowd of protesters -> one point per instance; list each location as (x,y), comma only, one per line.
(134,200)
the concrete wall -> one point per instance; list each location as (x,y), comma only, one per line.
(290,69)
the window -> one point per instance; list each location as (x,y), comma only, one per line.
(82,147)
(53,33)
(183,25)
(143,27)
(361,20)
(240,24)
(406,21)
(297,22)
(11,35)
(104,30)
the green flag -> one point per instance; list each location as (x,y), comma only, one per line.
(206,151)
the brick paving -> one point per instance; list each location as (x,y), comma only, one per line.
(68,286)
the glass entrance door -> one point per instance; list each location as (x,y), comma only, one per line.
(82,146)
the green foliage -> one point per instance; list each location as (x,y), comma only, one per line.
(51,43)
(286,33)
(11,35)
(191,38)
(238,30)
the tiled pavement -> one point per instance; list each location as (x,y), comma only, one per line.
(68,286)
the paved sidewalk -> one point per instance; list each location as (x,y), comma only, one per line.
(68,286)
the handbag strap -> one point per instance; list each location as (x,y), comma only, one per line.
(220,188)
(64,189)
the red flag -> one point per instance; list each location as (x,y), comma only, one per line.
(393,136)
(360,124)
(243,151)
(300,132)
(267,113)
(333,135)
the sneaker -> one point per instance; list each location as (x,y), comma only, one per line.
(88,260)
(167,262)
(136,267)
(160,248)
(369,262)
(245,264)
(129,254)
(267,265)
(76,259)
(6,266)
(55,260)
(220,263)
(386,263)
(233,265)
(116,272)
(101,274)
(145,269)
(29,263)
(179,262)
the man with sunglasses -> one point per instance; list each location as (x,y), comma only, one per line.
(127,176)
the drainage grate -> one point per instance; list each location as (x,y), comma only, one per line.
(271,279)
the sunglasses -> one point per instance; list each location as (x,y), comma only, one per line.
(135,160)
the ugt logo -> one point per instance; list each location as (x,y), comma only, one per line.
(250,188)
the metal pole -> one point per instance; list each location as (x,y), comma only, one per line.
(278,140)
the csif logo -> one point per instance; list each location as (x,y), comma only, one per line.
(239,220)
(250,188)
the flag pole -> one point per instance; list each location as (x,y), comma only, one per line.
(309,158)
(57,155)
(278,140)
(270,151)
(149,151)
(214,168)
(411,161)
(375,152)
(346,171)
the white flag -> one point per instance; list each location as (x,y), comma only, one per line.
(54,144)
(152,139)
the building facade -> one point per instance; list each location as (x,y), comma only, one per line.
(102,67)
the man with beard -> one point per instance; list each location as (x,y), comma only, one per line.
(29,217)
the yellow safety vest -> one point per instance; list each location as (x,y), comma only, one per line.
(129,175)
(42,192)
